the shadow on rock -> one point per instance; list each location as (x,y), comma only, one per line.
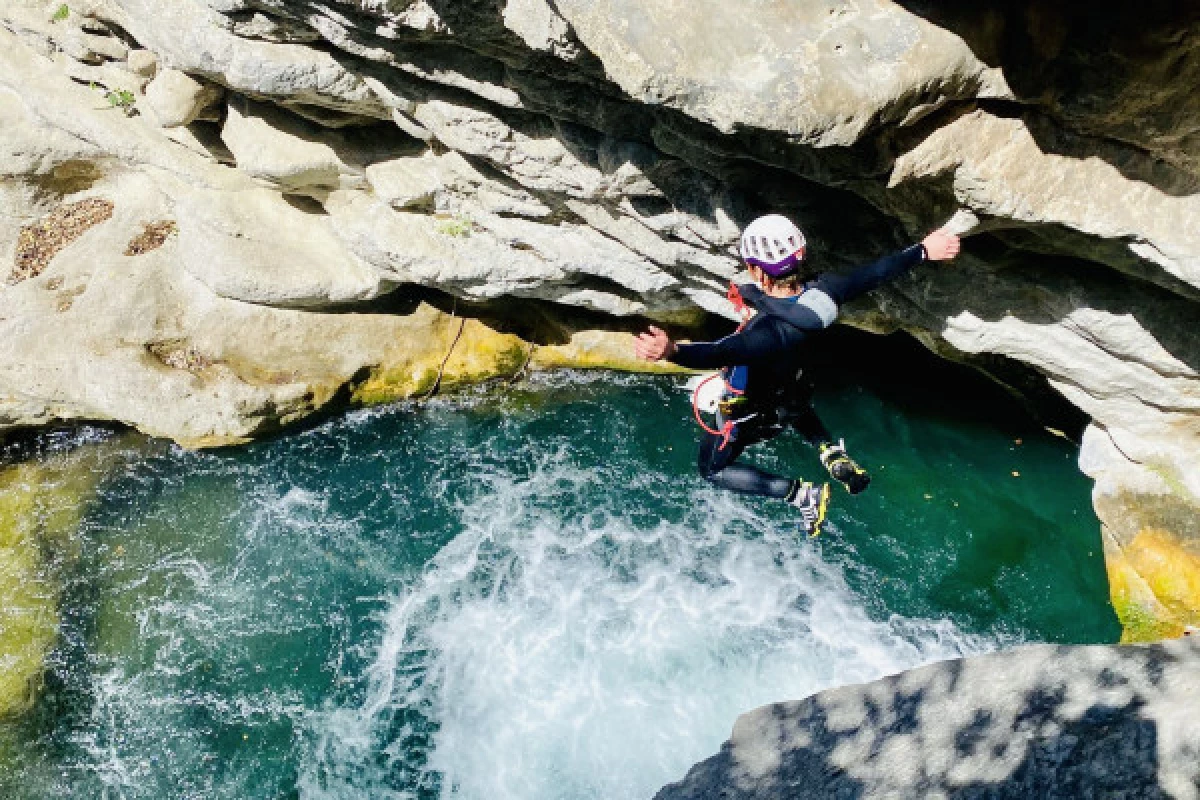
(1040,721)
(1115,81)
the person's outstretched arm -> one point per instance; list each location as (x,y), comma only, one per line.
(937,246)
(743,347)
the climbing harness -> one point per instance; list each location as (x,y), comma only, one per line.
(729,398)
(726,400)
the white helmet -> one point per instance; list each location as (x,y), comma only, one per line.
(773,244)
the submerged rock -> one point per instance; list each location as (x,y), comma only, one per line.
(1040,721)
(41,504)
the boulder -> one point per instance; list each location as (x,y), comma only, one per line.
(1038,721)
(277,147)
(142,62)
(176,99)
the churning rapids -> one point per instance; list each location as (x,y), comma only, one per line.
(524,593)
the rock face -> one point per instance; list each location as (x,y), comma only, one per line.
(174,98)
(1041,721)
(313,159)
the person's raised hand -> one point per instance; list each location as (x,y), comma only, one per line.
(653,344)
(941,245)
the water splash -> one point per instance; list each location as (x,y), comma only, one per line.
(550,654)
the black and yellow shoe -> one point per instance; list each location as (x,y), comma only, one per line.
(843,469)
(813,502)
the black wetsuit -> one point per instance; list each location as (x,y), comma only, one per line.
(774,347)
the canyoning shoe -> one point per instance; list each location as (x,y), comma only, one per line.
(842,468)
(813,502)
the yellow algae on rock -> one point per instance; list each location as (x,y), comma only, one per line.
(1143,617)
(1153,564)
(470,351)
(466,350)
(41,505)
(1165,596)
(599,350)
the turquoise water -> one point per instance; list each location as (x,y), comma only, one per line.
(527,593)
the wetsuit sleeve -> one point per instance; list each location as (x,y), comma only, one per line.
(803,315)
(844,288)
(744,347)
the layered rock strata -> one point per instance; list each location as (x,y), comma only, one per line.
(303,160)
(1041,721)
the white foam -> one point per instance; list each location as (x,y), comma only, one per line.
(557,657)
(141,732)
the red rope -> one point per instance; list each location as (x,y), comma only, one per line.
(726,431)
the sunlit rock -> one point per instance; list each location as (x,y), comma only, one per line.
(1035,720)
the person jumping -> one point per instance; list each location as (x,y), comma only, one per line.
(763,362)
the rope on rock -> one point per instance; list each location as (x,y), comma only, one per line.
(516,376)
(437,382)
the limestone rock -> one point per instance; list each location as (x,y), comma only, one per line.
(448,183)
(269,145)
(256,247)
(74,36)
(90,48)
(1000,173)
(142,62)
(538,163)
(1035,721)
(824,72)
(408,182)
(177,99)
(67,138)
(541,27)
(1151,524)
(193,38)
(1122,73)
(261,26)
(484,255)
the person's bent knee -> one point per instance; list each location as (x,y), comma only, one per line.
(708,471)
(712,459)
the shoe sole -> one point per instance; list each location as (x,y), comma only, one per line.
(845,483)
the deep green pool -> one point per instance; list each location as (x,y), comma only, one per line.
(527,593)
